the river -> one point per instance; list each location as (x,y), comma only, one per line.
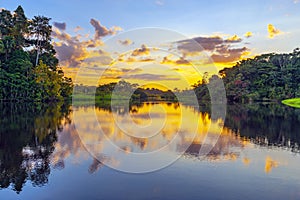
(154,150)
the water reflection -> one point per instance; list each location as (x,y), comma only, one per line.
(27,137)
(269,125)
(33,139)
(245,126)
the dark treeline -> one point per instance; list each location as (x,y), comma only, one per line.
(124,90)
(268,125)
(27,137)
(268,77)
(28,66)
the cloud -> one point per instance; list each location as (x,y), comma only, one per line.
(118,73)
(221,50)
(78,28)
(199,44)
(125,42)
(150,77)
(272,31)
(159,2)
(144,50)
(248,34)
(102,31)
(296,1)
(226,55)
(61,26)
(180,61)
(69,49)
(233,39)
(72,51)
(101,60)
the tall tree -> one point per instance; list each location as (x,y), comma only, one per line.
(40,31)
(20,27)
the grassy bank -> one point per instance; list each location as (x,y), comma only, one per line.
(292,102)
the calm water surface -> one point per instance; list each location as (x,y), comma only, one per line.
(61,152)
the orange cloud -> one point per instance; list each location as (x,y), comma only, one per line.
(233,38)
(248,34)
(272,31)
(144,50)
(73,50)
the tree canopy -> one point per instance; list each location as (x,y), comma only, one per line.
(267,77)
(28,67)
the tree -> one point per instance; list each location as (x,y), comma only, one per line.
(21,78)
(48,83)
(9,44)
(6,23)
(20,27)
(40,31)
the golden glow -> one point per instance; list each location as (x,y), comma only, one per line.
(248,34)
(234,38)
(273,31)
(171,119)
(246,161)
(270,164)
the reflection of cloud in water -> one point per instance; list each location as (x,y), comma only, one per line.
(227,147)
(70,143)
(270,164)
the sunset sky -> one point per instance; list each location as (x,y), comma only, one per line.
(93,36)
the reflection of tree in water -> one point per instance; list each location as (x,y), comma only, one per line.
(266,124)
(120,107)
(269,125)
(27,137)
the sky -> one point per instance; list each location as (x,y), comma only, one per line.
(169,42)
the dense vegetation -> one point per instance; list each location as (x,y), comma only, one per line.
(267,77)
(28,66)
(124,90)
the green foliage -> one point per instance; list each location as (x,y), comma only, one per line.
(123,90)
(268,77)
(29,75)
